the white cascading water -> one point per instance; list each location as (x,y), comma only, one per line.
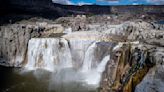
(55,55)
(93,76)
(78,50)
(65,57)
(46,53)
(88,59)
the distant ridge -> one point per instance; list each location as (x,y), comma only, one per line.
(47,6)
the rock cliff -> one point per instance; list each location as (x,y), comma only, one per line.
(134,41)
(137,51)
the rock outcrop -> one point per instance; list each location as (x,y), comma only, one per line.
(153,81)
(132,61)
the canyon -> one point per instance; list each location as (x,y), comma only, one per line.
(115,50)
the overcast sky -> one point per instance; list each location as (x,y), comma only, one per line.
(110,2)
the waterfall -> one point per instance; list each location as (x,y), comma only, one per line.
(93,76)
(72,60)
(65,57)
(78,49)
(88,59)
(101,66)
(46,53)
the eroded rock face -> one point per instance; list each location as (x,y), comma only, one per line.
(131,61)
(14,41)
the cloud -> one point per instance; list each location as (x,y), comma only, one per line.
(161,2)
(109,1)
(133,2)
(84,3)
(66,2)
(153,2)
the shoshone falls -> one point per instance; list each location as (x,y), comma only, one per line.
(69,61)
(46,47)
(110,58)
